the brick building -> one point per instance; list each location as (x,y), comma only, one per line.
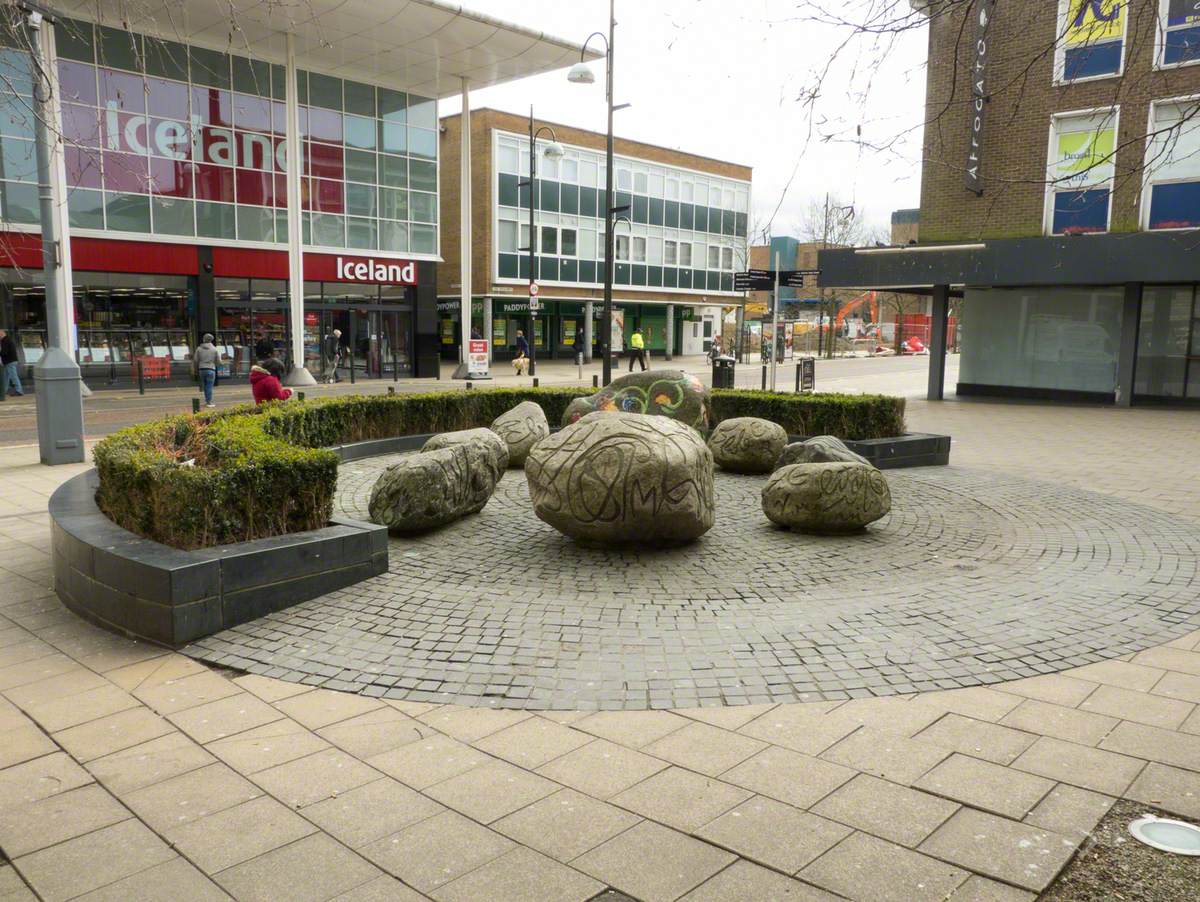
(1060,198)
(675,259)
(906,225)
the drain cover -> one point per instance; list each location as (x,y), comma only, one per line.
(1178,837)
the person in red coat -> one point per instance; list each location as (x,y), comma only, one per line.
(265,381)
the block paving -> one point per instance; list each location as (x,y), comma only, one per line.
(131,772)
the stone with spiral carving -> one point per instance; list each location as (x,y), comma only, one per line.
(521,428)
(664,393)
(747,444)
(835,497)
(432,488)
(624,478)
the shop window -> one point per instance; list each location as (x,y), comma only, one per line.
(328,230)
(215,220)
(1092,38)
(1163,342)
(1080,173)
(127,212)
(255,223)
(172,216)
(1171,197)
(85,209)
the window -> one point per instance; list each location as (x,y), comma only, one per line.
(639,182)
(570,170)
(624,180)
(670,252)
(654,251)
(1092,39)
(672,189)
(587,173)
(656,184)
(549,240)
(639,249)
(508,237)
(508,158)
(587,244)
(714,257)
(622,250)
(1079,176)
(1180,25)
(568,243)
(727,258)
(1171,196)
(685,253)
(685,189)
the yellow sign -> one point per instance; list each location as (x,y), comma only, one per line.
(1089,152)
(1093,21)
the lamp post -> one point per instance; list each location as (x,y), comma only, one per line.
(554,151)
(580,74)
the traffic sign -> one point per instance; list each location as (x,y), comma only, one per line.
(534,305)
(794,278)
(533,289)
(754,280)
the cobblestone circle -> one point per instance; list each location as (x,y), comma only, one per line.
(973,578)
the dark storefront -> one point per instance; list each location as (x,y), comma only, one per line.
(147,304)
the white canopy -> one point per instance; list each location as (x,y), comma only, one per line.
(422,46)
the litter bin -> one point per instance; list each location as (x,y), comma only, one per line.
(722,374)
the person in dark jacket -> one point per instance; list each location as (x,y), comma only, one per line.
(264,347)
(266,381)
(333,353)
(10,366)
(521,359)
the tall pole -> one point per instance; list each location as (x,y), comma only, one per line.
(606,338)
(775,324)
(532,252)
(821,306)
(56,375)
(295,158)
(464,242)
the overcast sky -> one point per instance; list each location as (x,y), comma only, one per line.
(723,77)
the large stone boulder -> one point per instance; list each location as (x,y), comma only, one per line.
(483,444)
(665,393)
(833,497)
(747,444)
(820,449)
(521,428)
(620,478)
(432,488)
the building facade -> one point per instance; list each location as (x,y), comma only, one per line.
(176,163)
(675,256)
(1060,197)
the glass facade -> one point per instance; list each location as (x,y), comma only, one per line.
(1063,339)
(687,230)
(167,139)
(1168,343)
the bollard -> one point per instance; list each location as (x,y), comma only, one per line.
(195,405)
(797,378)
(764,378)
(595,381)
(535,382)
(300,395)
(391,389)
(141,382)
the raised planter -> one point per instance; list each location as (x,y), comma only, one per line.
(913,449)
(144,589)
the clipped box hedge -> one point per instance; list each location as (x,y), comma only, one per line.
(250,472)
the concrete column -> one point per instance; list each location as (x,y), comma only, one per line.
(670,330)
(939,306)
(487,328)
(1131,320)
(589,331)
(464,240)
(58,182)
(295,219)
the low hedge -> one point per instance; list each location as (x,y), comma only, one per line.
(250,472)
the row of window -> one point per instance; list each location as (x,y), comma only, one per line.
(1092,35)
(591,272)
(1082,167)
(558,241)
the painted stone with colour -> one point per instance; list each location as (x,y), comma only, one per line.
(665,393)
(820,449)
(481,443)
(521,428)
(747,444)
(432,488)
(624,478)
(834,497)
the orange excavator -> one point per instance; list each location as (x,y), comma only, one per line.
(853,304)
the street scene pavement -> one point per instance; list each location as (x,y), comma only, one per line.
(133,772)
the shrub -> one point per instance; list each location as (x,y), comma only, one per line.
(250,472)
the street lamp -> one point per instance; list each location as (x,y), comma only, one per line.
(580,74)
(554,151)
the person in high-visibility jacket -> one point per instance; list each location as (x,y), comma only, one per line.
(637,349)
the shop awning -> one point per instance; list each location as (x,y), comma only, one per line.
(422,46)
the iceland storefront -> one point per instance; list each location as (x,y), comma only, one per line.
(175,160)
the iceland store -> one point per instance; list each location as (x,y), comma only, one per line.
(174,152)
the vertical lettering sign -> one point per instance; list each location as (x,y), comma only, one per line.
(979,77)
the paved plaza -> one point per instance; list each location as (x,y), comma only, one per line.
(132,773)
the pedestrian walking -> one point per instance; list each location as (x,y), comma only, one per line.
(10,374)
(521,360)
(204,367)
(637,350)
(266,381)
(333,351)
(714,350)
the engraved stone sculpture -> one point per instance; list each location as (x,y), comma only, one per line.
(521,428)
(432,488)
(835,497)
(820,449)
(665,393)
(747,444)
(482,443)
(619,478)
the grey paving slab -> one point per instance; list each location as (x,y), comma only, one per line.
(953,571)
